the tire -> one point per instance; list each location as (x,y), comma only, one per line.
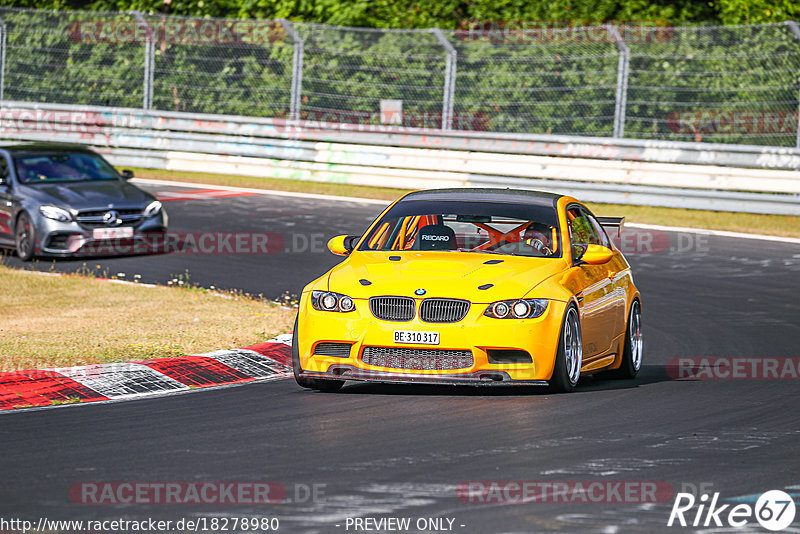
(25,237)
(328,386)
(632,352)
(569,357)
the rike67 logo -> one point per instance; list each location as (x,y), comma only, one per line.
(774,510)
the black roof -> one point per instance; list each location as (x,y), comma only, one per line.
(44,146)
(487,194)
(514,203)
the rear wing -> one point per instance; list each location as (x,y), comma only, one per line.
(612,224)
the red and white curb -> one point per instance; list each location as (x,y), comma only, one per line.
(121,381)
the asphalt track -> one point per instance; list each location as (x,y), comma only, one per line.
(299,227)
(401,451)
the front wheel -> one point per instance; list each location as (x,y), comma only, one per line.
(569,356)
(25,237)
(310,383)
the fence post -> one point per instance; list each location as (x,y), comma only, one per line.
(149,61)
(297,69)
(795,29)
(449,78)
(2,60)
(623,65)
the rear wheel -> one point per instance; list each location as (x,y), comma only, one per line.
(569,356)
(632,352)
(310,383)
(25,237)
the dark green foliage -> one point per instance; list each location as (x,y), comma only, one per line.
(447,14)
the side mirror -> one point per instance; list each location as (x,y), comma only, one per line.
(342,245)
(127,174)
(596,255)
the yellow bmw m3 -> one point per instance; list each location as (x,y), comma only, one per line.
(472,286)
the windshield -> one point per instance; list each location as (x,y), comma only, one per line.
(479,227)
(62,167)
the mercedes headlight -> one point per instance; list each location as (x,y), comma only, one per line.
(55,213)
(152,209)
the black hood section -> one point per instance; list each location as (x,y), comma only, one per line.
(89,195)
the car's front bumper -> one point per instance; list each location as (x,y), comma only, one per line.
(491,377)
(63,239)
(476,333)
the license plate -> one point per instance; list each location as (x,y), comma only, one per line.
(112,233)
(414,336)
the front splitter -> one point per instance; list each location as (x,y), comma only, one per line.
(479,378)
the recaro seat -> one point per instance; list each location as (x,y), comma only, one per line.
(435,237)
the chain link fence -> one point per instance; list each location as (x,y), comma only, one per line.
(347,72)
(529,81)
(44,61)
(734,84)
(229,67)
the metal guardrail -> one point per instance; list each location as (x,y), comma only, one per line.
(722,177)
(751,156)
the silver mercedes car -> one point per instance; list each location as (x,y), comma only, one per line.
(63,200)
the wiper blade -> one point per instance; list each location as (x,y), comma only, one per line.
(485,252)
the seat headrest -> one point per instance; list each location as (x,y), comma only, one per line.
(435,237)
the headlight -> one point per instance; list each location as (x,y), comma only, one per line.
(55,213)
(346,304)
(521,309)
(329,301)
(516,309)
(499,309)
(152,209)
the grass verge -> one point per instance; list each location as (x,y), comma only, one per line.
(55,321)
(778,225)
(275,184)
(748,223)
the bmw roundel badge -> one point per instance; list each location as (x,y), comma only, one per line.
(419,292)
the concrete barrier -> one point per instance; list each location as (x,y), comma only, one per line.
(601,170)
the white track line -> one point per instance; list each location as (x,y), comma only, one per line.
(265,191)
(720,233)
(704,231)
